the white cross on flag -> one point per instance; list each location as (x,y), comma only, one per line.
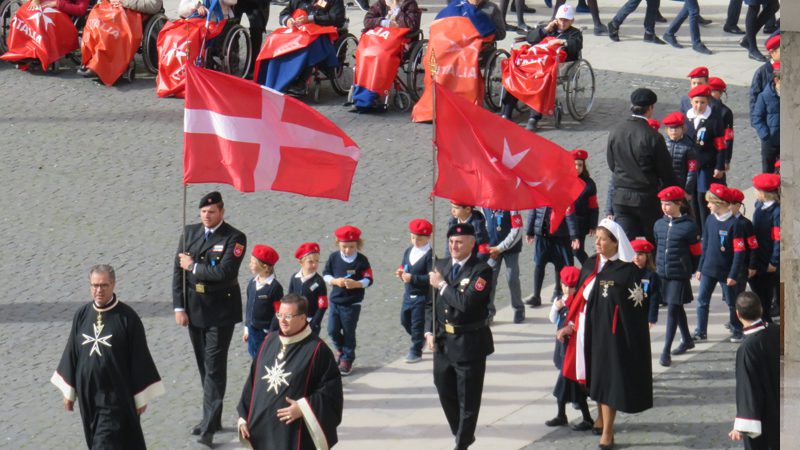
(239,133)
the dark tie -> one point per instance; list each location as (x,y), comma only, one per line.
(456,268)
(208,233)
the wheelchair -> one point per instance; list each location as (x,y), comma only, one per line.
(341,77)
(230,51)
(488,61)
(149,49)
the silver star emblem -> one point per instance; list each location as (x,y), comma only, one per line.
(97,340)
(275,376)
(637,295)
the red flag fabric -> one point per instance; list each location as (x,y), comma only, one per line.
(289,39)
(179,43)
(110,40)
(46,34)
(531,74)
(488,161)
(378,56)
(253,138)
(457,44)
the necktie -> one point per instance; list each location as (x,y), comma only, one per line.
(456,268)
(208,233)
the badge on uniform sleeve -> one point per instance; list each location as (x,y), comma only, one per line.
(480,284)
(238,250)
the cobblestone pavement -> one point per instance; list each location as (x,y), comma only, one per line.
(92,174)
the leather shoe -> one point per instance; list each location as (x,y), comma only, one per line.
(600,30)
(683,348)
(533,301)
(523,28)
(756,55)
(519,316)
(585,425)
(701,48)
(597,431)
(665,360)
(558,421)
(207,440)
(613,31)
(769,29)
(197,429)
(703,21)
(660,18)
(670,39)
(733,30)
(510,27)
(743,43)
(525,9)
(653,39)
(605,446)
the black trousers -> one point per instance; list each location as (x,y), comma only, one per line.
(769,155)
(764,285)
(257,15)
(460,388)
(211,353)
(638,220)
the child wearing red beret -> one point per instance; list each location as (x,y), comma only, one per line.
(683,151)
(413,272)
(719,87)
(308,283)
(767,226)
(651,282)
(349,273)
(585,208)
(264,294)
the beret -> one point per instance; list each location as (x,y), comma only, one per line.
(420,227)
(701,90)
(773,42)
(641,245)
(569,275)
(305,249)
(643,97)
(212,198)
(347,233)
(672,193)
(265,254)
(717,84)
(674,119)
(736,195)
(461,229)
(767,182)
(580,153)
(654,124)
(699,72)
(721,191)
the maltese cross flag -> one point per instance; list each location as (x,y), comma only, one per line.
(488,161)
(253,138)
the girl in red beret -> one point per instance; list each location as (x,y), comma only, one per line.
(585,208)
(651,283)
(719,87)
(413,272)
(264,294)
(349,274)
(767,226)
(308,283)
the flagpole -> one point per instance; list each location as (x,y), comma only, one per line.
(183,244)
(433,68)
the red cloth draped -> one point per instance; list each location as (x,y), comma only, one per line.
(179,43)
(576,305)
(111,38)
(531,73)
(45,34)
(378,56)
(289,39)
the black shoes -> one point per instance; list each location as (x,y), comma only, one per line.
(665,360)
(532,125)
(523,28)
(660,18)
(585,425)
(613,31)
(703,21)
(701,48)
(519,316)
(558,421)
(683,348)
(653,39)
(533,302)
(756,55)
(670,39)
(600,30)
(525,9)
(206,440)
(733,30)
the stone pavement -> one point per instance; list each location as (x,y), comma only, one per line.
(92,174)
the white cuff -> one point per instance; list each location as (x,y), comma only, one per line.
(749,427)
(240,422)
(148,394)
(313,425)
(179,310)
(63,386)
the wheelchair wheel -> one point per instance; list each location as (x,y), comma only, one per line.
(8,8)
(344,75)
(558,114)
(402,101)
(580,89)
(236,52)
(493,77)
(150,41)
(415,70)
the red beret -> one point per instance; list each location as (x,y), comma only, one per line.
(347,233)
(580,153)
(569,275)
(736,195)
(306,248)
(701,90)
(767,182)
(778,164)
(698,72)
(654,124)
(720,191)
(640,245)
(672,193)
(420,227)
(674,119)
(773,42)
(776,66)
(265,254)
(717,84)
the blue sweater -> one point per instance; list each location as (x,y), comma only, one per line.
(677,247)
(767,225)
(724,248)
(261,305)
(356,270)
(419,284)
(315,291)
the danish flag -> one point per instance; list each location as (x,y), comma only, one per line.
(253,138)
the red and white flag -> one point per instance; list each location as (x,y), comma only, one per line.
(488,161)
(253,138)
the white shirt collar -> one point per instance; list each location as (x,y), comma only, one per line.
(640,117)
(766,205)
(460,261)
(267,281)
(286,340)
(755,327)
(724,217)
(692,115)
(348,259)
(212,230)
(303,279)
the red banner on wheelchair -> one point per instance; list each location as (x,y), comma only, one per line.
(457,45)
(111,38)
(378,57)
(45,34)
(179,43)
(531,74)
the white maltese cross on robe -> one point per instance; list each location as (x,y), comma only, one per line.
(636,294)
(275,376)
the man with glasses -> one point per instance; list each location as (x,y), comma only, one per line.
(292,398)
(107,367)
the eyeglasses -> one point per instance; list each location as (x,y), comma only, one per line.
(288,317)
(100,286)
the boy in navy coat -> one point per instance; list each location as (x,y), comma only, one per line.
(413,272)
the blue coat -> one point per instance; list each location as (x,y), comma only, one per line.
(539,224)
(767,225)
(677,247)
(724,248)
(766,115)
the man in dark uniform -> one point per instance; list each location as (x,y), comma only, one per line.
(206,298)
(461,339)
(640,166)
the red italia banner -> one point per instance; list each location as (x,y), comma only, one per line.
(45,34)
(110,40)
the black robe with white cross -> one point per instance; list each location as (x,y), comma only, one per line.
(107,366)
(758,387)
(300,367)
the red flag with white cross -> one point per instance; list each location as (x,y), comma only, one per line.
(253,138)
(488,161)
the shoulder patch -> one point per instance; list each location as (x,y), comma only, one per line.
(480,284)
(238,250)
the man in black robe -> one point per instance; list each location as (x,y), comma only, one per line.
(107,366)
(757,378)
(292,398)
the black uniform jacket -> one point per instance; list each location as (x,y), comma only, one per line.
(213,297)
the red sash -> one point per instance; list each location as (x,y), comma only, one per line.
(576,305)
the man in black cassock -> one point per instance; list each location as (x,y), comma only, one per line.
(292,398)
(107,366)
(757,378)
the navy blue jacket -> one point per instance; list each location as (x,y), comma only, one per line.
(750,241)
(724,248)
(684,162)
(315,291)
(709,137)
(677,247)
(539,224)
(419,284)
(499,224)
(356,270)
(767,225)
(585,208)
(761,78)
(477,220)
(765,116)
(261,305)
(727,124)
(651,285)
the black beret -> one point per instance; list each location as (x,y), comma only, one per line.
(643,97)
(212,198)
(461,229)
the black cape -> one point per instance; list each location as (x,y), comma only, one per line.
(306,373)
(107,366)
(758,387)
(619,371)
